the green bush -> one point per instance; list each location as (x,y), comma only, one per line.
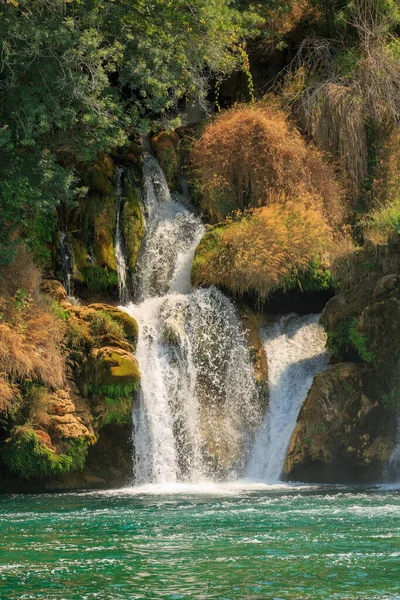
(346,337)
(316,278)
(382,223)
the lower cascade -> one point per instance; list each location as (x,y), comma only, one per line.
(296,352)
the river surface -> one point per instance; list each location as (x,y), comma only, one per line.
(201,542)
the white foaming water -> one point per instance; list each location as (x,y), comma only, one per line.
(119,244)
(296,352)
(198,405)
(172,234)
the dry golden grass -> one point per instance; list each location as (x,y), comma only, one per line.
(30,335)
(263,249)
(9,395)
(251,156)
(34,353)
(334,115)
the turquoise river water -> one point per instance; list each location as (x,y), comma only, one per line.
(229,542)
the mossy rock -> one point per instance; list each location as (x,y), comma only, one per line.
(80,253)
(112,366)
(132,223)
(129,324)
(102,175)
(165,146)
(29,454)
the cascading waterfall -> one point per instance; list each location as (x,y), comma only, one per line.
(199,405)
(119,243)
(296,352)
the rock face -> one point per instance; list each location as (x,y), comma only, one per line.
(91,227)
(347,427)
(59,437)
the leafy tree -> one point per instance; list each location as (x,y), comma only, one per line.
(76,77)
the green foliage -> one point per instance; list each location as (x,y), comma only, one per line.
(40,237)
(385,221)
(77,76)
(60,312)
(99,279)
(346,337)
(316,278)
(27,456)
(346,63)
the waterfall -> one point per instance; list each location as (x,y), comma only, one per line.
(198,406)
(66,261)
(295,348)
(119,243)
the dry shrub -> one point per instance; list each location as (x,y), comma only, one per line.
(281,18)
(264,249)
(334,115)
(249,156)
(33,353)
(30,335)
(386,184)
(9,395)
(22,274)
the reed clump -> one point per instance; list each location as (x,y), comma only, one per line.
(264,250)
(252,156)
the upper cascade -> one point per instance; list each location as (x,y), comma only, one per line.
(172,234)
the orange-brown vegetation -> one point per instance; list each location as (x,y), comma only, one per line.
(30,334)
(285,17)
(265,248)
(252,156)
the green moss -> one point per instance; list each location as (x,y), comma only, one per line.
(117,402)
(81,255)
(207,245)
(132,224)
(110,367)
(165,146)
(114,391)
(100,279)
(27,456)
